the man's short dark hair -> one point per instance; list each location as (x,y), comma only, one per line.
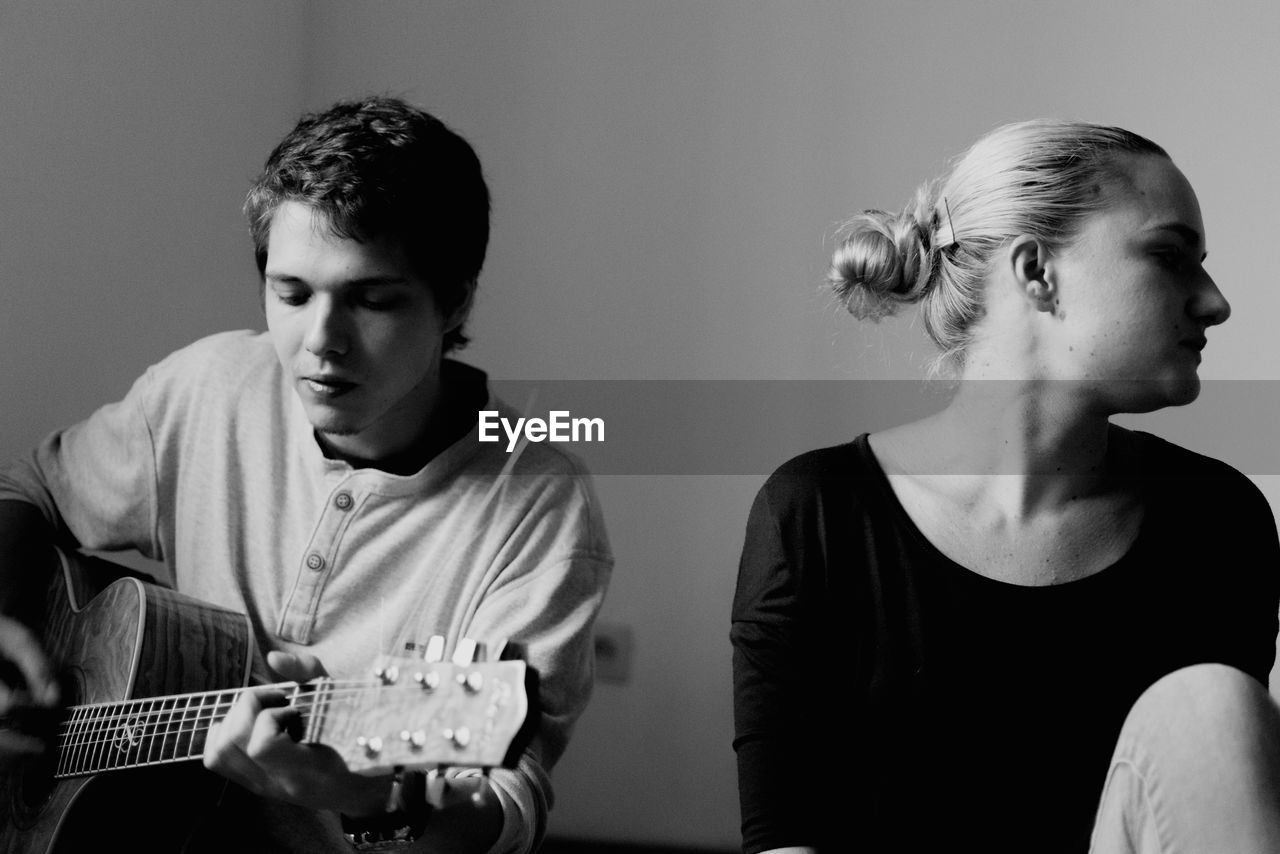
(379,168)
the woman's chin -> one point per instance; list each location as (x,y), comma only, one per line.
(1150,395)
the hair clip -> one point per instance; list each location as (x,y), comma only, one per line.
(946,237)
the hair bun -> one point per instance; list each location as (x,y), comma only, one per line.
(883,261)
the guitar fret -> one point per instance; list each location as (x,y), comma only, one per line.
(138,731)
(214,714)
(318,700)
(211,712)
(295,699)
(97,744)
(66,746)
(125,737)
(186,727)
(204,718)
(76,765)
(115,722)
(172,728)
(70,742)
(86,741)
(154,730)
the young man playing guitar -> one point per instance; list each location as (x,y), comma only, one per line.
(324,479)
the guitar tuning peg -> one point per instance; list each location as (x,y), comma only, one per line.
(435,788)
(435,649)
(428,681)
(416,739)
(472,682)
(459,738)
(371,746)
(467,651)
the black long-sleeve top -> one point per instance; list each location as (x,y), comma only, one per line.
(888,699)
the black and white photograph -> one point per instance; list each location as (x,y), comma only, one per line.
(654,427)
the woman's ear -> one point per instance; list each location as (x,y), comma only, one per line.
(1028,260)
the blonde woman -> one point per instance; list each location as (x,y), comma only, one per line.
(1014,625)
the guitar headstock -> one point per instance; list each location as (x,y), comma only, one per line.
(420,713)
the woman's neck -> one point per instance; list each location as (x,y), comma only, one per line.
(1031,443)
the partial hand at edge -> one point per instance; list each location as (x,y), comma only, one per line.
(28,685)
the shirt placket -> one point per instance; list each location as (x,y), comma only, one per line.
(318,563)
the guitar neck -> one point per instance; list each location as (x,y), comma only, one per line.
(162,730)
(413,714)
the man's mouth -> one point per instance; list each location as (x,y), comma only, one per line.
(328,386)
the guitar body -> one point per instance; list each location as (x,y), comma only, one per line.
(131,640)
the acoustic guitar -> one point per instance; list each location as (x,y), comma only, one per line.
(148,671)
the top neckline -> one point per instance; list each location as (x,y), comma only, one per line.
(1112,573)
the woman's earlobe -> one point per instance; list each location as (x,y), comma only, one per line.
(1032,271)
(1044,295)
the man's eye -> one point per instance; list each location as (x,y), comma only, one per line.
(379,303)
(291,297)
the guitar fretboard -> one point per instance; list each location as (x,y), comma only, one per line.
(161,730)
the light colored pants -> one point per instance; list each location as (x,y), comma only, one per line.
(1196,769)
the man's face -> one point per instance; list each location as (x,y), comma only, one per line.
(357,332)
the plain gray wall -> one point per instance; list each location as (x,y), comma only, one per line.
(666,177)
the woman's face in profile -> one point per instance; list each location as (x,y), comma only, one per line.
(1134,297)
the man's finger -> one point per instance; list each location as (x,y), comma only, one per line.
(228,760)
(295,666)
(270,727)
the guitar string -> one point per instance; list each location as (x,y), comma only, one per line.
(343,687)
(178,720)
(132,756)
(124,709)
(137,754)
(143,718)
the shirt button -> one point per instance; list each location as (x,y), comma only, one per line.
(315,562)
(343,501)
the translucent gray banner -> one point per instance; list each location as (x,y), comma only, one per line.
(750,427)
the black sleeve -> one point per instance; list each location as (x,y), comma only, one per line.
(1257,559)
(792,666)
(1224,530)
(769,648)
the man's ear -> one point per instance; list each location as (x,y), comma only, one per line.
(1028,259)
(462,310)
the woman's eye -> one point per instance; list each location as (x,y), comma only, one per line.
(1173,260)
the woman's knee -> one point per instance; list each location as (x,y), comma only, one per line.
(1198,761)
(1205,700)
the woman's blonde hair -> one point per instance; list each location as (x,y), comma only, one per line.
(1039,178)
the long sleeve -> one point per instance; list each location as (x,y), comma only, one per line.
(777,775)
(95,482)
